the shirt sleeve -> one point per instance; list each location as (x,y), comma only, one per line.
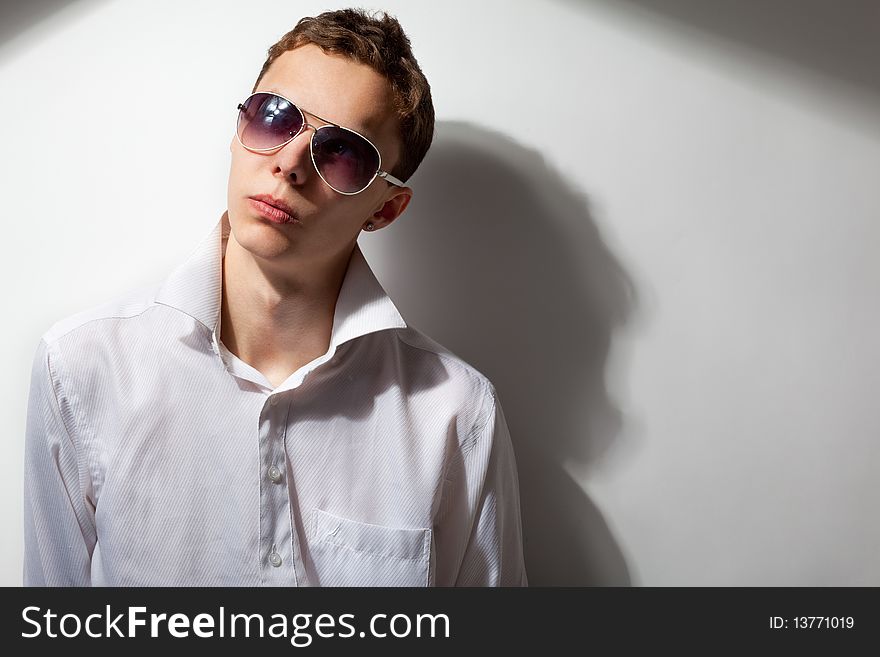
(479,540)
(59,522)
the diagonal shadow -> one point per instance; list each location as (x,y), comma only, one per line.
(19,21)
(18,17)
(499,260)
(836,39)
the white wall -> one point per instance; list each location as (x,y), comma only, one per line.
(651,224)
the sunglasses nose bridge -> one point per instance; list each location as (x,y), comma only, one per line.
(305,125)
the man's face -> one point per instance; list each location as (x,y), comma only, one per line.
(349,94)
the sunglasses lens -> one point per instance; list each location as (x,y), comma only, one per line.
(346,161)
(266,121)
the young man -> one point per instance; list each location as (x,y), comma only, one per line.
(266,417)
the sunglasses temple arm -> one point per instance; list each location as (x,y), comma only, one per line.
(394,181)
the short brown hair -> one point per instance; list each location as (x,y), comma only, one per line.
(380,43)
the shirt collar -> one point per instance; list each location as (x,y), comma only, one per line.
(195,288)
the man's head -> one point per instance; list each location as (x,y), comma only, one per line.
(353,70)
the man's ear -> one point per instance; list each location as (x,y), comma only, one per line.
(394,206)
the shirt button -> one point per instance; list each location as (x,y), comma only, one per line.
(275,559)
(274,474)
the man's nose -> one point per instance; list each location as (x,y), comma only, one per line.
(295,158)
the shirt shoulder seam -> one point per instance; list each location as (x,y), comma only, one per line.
(447,357)
(58,330)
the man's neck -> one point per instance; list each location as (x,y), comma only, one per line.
(276,321)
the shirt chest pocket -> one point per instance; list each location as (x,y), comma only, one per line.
(347,552)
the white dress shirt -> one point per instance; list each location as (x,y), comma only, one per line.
(155,457)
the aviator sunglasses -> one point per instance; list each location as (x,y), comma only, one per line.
(346,160)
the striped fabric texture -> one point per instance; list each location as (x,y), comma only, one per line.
(155,457)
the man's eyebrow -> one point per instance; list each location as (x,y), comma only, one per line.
(360,129)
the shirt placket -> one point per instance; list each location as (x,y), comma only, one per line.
(277,560)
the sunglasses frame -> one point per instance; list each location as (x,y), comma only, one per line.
(305,124)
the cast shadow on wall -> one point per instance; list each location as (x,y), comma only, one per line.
(21,22)
(498,259)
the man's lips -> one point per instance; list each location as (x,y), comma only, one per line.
(273,208)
